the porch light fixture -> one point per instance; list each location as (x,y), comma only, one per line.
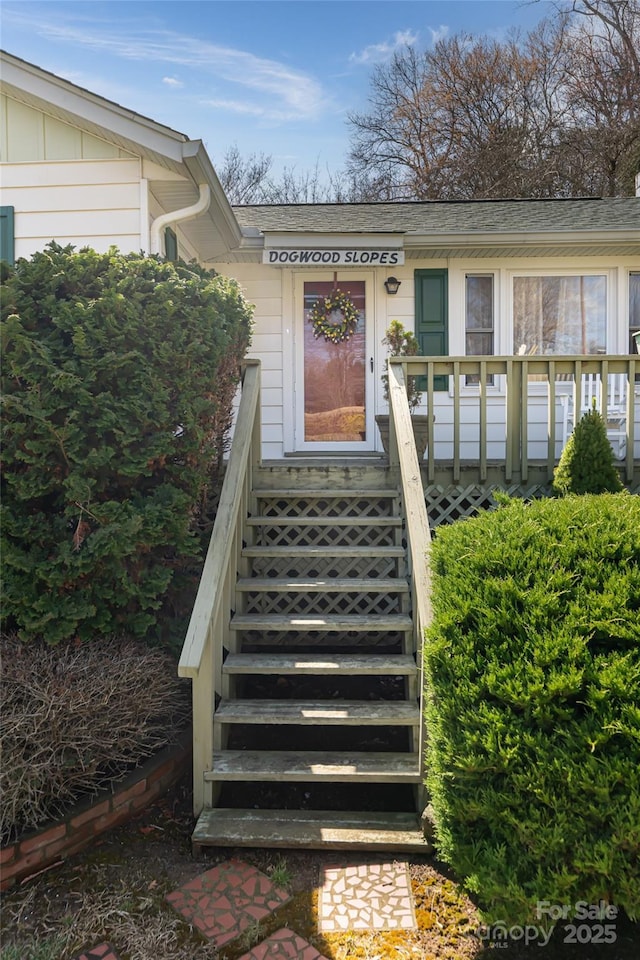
(392,285)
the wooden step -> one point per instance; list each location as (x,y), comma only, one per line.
(323,493)
(285,521)
(346,585)
(310,829)
(325,664)
(336,552)
(325,712)
(290,766)
(331,623)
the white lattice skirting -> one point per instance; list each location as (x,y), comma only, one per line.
(446,504)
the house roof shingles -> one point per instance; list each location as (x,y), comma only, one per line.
(446,217)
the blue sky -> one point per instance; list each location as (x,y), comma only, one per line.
(271,76)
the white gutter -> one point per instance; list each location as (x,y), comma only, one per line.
(197,162)
(519,238)
(156,234)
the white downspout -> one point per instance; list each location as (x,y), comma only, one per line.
(144,215)
(156,234)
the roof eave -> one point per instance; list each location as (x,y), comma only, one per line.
(200,168)
(137,134)
(520,239)
(462,242)
(77,104)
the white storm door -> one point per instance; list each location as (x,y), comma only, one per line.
(334,380)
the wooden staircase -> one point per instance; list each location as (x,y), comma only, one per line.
(304,647)
(321,657)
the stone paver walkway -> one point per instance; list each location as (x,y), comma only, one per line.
(366,896)
(223,902)
(104,951)
(283,945)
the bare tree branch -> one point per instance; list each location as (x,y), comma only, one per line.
(242,178)
(550,113)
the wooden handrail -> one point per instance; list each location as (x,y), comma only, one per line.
(418,533)
(403,453)
(227,518)
(209,628)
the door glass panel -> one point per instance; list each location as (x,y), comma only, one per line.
(334,373)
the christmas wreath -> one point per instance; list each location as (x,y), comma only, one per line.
(335,318)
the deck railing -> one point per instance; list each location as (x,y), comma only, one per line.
(518,381)
(209,631)
(403,456)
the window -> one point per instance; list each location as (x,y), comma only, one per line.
(634,310)
(479,319)
(170,245)
(560,314)
(6,235)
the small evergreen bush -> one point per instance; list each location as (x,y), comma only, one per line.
(586,464)
(532,671)
(118,378)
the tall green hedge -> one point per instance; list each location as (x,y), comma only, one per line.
(118,377)
(533,703)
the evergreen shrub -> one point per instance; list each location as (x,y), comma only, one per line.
(118,377)
(586,464)
(532,669)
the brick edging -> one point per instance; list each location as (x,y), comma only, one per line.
(57,841)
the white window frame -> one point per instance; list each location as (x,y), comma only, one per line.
(493,330)
(609,273)
(458,320)
(630,329)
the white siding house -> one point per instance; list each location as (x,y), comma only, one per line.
(320,544)
(79,169)
(471,274)
(534,278)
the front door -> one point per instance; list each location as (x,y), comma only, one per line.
(334,376)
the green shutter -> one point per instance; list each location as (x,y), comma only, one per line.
(432,319)
(170,245)
(7,248)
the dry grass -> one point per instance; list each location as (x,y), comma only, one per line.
(72,717)
(133,921)
(55,917)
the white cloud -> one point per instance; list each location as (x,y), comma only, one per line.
(172,82)
(380,52)
(287,93)
(438,33)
